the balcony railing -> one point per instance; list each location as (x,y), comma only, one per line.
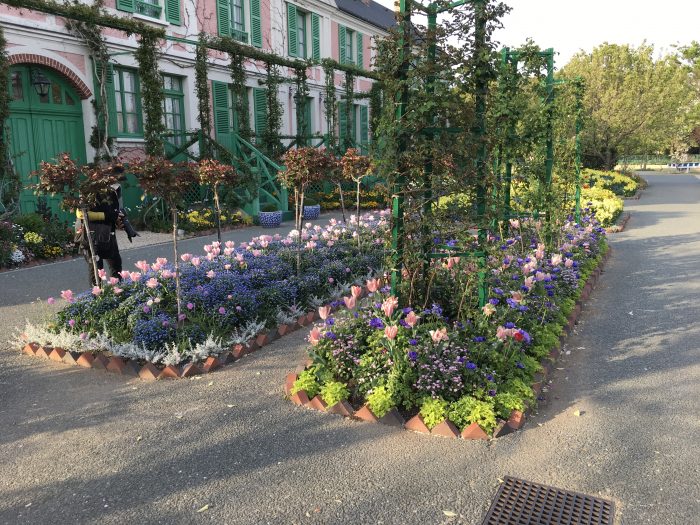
(151,9)
(241,36)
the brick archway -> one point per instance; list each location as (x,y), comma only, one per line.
(30,58)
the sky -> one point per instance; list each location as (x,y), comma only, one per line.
(568,25)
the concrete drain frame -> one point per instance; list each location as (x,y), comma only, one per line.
(520,502)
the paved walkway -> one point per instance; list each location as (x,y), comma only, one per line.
(81,446)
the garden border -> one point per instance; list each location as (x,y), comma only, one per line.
(447,428)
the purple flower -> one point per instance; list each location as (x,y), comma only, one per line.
(412,342)
(190,306)
(71,323)
(520,365)
(479,339)
(470,365)
(509,325)
(331,336)
(377,323)
(413,355)
(146,309)
(222,310)
(492,393)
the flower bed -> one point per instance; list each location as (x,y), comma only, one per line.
(33,237)
(377,361)
(231,295)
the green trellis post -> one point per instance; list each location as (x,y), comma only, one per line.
(479,130)
(513,58)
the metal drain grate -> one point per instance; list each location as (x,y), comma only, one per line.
(520,502)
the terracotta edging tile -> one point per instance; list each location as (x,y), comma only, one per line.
(474,431)
(416,424)
(445,429)
(317,404)
(116,365)
(190,369)
(300,398)
(502,429)
(43,351)
(392,419)
(100,362)
(211,363)
(516,419)
(85,360)
(149,372)
(30,349)
(289,383)
(342,408)
(169,372)
(71,358)
(57,355)
(366,414)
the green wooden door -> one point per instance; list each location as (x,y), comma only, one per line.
(41,127)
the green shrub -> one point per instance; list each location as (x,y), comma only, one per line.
(506,402)
(434,411)
(268,207)
(606,204)
(31,222)
(520,389)
(380,401)
(333,392)
(306,382)
(468,410)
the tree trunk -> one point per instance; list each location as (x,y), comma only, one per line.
(177,267)
(218,213)
(342,201)
(357,218)
(91,246)
(301,219)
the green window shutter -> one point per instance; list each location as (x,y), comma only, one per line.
(360,61)
(222,119)
(292,45)
(223,16)
(342,123)
(315,36)
(341,44)
(111,97)
(126,5)
(260,112)
(364,125)
(172,12)
(255,24)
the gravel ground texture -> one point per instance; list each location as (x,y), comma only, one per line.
(82,446)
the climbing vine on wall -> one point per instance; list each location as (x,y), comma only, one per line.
(9,184)
(301,99)
(375,107)
(271,136)
(347,138)
(201,81)
(152,94)
(91,35)
(329,104)
(240,95)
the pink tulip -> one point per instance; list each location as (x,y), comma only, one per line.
(207,248)
(67,295)
(227,266)
(143,266)
(503,333)
(314,336)
(230,244)
(50,300)
(310,245)
(211,274)
(515,223)
(539,276)
(324,312)
(113,281)
(96,290)
(517,297)
(350,302)
(529,282)
(389,305)
(117,290)
(390,332)
(373,285)
(439,335)
(569,263)
(228,252)
(152,283)
(102,274)
(185,257)
(134,276)
(556,260)
(196,261)
(488,309)
(356,291)
(411,319)
(124,274)
(167,274)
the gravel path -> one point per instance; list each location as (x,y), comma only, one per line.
(86,447)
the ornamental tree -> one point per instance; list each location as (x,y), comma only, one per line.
(81,187)
(356,167)
(215,173)
(169,181)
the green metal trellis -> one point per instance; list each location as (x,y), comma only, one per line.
(479,129)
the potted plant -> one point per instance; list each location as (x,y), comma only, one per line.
(270,216)
(312,209)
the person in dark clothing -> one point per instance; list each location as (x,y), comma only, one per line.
(104,219)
